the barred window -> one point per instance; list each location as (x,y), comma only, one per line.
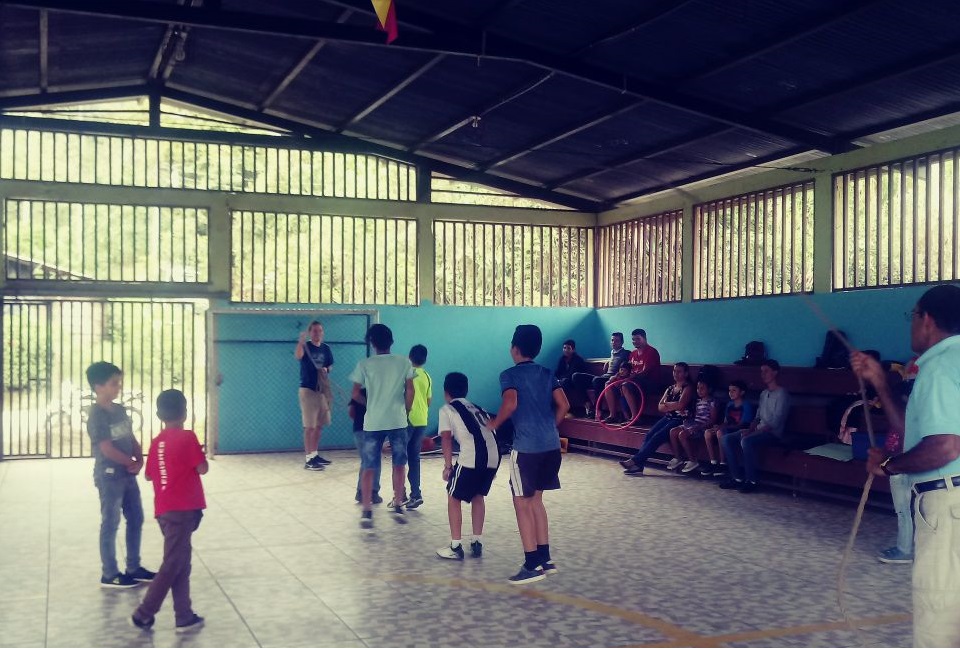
(150,162)
(898,223)
(97,241)
(444,189)
(312,258)
(754,244)
(641,260)
(498,264)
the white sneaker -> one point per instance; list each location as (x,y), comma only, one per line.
(690,466)
(448,552)
(674,463)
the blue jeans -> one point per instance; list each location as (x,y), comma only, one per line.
(358,440)
(414,444)
(751,445)
(372,446)
(659,434)
(119,495)
(902,491)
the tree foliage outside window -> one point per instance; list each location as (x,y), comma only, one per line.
(641,260)
(134,161)
(898,223)
(754,244)
(313,258)
(97,241)
(499,264)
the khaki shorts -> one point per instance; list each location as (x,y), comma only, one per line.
(315,408)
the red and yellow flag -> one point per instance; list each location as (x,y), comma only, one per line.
(387,17)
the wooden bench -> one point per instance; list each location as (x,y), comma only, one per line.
(812,391)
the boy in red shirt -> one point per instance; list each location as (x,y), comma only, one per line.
(640,370)
(174,465)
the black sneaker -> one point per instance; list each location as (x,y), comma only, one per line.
(527,576)
(376,499)
(413,502)
(145,625)
(193,623)
(142,574)
(323,460)
(366,520)
(614,419)
(626,464)
(119,580)
(476,549)
(707,470)
(634,470)
(721,470)
(748,487)
(730,483)
(313,464)
(398,511)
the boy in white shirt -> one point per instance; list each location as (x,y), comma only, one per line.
(468,480)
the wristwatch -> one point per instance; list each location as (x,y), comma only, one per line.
(883,466)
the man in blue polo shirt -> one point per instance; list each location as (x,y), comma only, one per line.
(931,459)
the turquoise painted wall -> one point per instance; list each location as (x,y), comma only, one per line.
(716,331)
(472,340)
(476,341)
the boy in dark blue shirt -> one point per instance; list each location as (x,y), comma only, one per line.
(533,398)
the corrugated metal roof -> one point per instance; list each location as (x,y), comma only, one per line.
(692,87)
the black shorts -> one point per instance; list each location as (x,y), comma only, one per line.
(466,484)
(532,472)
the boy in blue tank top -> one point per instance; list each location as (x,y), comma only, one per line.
(533,398)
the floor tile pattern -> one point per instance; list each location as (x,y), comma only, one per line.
(279,560)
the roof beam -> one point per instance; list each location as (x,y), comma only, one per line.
(495,46)
(640,156)
(448,37)
(44,54)
(563,133)
(390,94)
(726,169)
(174,39)
(621,32)
(20,102)
(293,73)
(900,122)
(483,110)
(324,133)
(300,65)
(796,32)
(915,64)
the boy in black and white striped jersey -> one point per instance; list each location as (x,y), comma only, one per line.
(468,480)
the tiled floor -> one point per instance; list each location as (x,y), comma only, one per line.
(280,561)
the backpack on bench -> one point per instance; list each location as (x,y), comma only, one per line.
(754,353)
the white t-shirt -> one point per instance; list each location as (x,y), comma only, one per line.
(451,420)
(384,377)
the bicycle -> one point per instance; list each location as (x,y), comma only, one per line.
(68,416)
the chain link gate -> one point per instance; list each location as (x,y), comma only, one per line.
(255,407)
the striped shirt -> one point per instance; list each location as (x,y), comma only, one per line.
(468,425)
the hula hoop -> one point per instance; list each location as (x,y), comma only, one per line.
(622,425)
